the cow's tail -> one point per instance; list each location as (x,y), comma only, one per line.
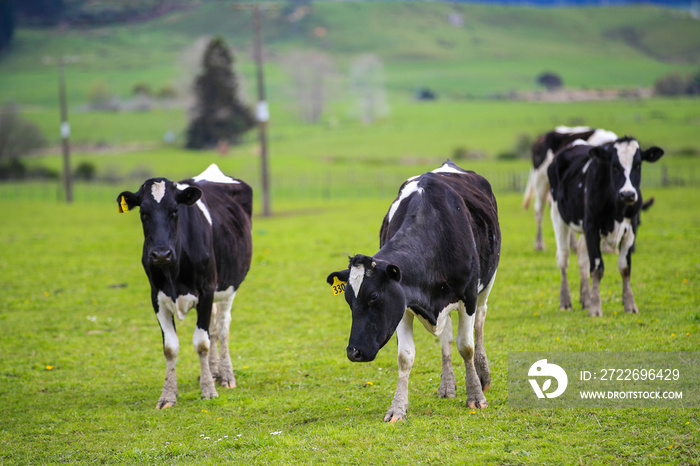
(648,203)
(529,190)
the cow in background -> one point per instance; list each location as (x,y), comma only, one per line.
(440,245)
(197,250)
(544,150)
(596,192)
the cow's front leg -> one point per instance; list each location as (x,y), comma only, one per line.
(624,264)
(171,347)
(407,353)
(213,343)
(225,375)
(200,340)
(465,345)
(584,270)
(596,267)
(448,384)
(561,233)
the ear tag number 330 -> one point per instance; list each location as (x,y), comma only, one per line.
(337,286)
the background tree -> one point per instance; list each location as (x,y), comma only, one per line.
(550,81)
(313,76)
(41,12)
(218,114)
(367,82)
(18,137)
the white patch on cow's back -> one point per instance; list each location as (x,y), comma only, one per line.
(571,129)
(446,168)
(158,191)
(199,202)
(357,275)
(601,136)
(407,190)
(214,175)
(579,142)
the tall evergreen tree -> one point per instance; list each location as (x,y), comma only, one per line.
(218,114)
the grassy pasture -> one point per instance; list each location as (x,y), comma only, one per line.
(82,367)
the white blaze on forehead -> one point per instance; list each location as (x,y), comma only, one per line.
(357,274)
(214,175)
(407,190)
(158,191)
(625,153)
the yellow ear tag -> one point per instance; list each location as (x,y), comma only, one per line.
(337,286)
(123,206)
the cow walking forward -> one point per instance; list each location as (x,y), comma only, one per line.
(544,151)
(196,252)
(596,193)
(440,244)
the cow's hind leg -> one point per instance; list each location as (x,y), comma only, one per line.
(481,363)
(200,340)
(407,354)
(465,345)
(225,375)
(561,233)
(448,384)
(541,188)
(213,343)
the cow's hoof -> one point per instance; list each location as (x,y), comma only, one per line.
(565,307)
(632,310)
(486,387)
(228,384)
(209,395)
(595,313)
(477,404)
(164,404)
(395,415)
(447,392)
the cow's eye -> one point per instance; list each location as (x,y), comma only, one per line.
(173,216)
(373,297)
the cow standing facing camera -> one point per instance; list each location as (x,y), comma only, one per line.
(196,252)
(440,244)
(596,192)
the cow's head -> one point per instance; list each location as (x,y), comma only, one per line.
(624,159)
(377,300)
(159,201)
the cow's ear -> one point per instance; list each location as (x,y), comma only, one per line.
(393,272)
(652,154)
(188,196)
(127,201)
(599,152)
(342,275)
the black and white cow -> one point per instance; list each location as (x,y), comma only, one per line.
(596,192)
(196,252)
(440,244)
(544,150)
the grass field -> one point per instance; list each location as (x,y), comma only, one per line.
(82,366)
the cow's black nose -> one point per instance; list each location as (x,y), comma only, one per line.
(162,256)
(355,355)
(628,197)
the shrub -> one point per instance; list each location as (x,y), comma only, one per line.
(550,80)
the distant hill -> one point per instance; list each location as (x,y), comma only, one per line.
(458,50)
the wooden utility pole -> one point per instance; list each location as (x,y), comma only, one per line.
(262,110)
(65,132)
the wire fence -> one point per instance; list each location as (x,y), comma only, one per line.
(351,184)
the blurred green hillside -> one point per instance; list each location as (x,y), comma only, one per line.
(457,50)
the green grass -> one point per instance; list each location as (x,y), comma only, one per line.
(75,299)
